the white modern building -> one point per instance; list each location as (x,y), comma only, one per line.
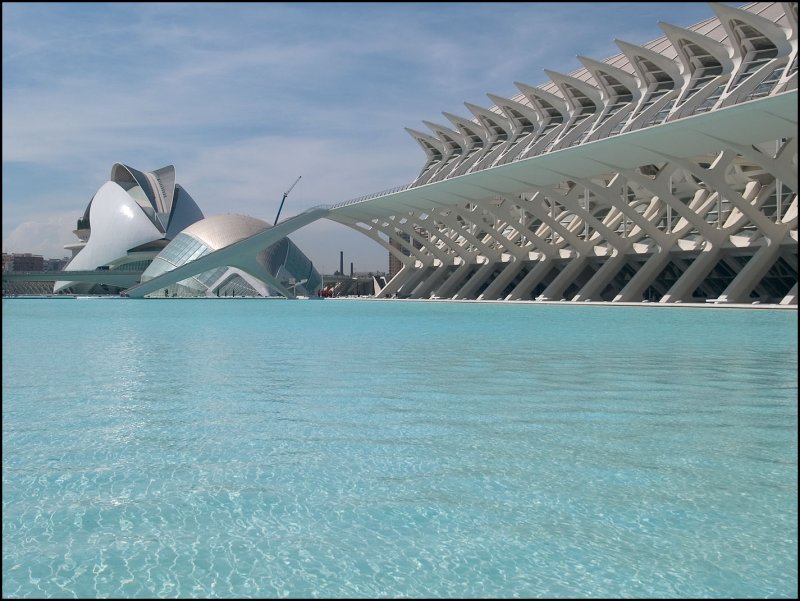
(278,269)
(126,223)
(144,225)
(666,173)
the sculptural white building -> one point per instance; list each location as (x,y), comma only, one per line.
(667,172)
(143,223)
(278,269)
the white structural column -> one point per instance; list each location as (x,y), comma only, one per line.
(496,231)
(518,254)
(398,280)
(537,273)
(482,253)
(577,200)
(580,249)
(713,238)
(454,281)
(738,291)
(437,243)
(473,283)
(451,240)
(372,229)
(430,284)
(418,246)
(623,244)
(791,297)
(773,233)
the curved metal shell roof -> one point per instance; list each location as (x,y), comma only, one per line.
(220,231)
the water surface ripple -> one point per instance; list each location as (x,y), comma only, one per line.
(235,448)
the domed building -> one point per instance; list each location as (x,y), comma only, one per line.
(128,221)
(278,270)
(144,224)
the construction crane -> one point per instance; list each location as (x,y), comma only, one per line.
(285,194)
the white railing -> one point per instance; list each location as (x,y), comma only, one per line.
(513,158)
(368,197)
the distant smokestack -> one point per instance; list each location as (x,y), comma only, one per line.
(341,262)
(351,270)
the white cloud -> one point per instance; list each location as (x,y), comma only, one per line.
(45,234)
(243,98)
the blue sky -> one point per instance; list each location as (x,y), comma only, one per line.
(244,98)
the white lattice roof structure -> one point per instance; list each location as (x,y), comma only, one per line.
(667,172)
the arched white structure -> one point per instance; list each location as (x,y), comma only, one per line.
(127,222)
(245,254)
(278,269)
(144,224)
(665,173)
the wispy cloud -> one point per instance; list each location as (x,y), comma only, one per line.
(243,98)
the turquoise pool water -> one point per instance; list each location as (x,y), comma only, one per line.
(253,448)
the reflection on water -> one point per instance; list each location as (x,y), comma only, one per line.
(366,449)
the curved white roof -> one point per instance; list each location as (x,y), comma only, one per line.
(220,231)
(118,224)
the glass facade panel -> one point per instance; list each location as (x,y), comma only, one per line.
(178,252)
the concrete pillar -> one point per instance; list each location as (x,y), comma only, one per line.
(427,286)
(602,277)
(632,292)
(413,280)
(531,279)
(419,287)
(448,288)
(472,284)
(693,276)
(394,284)
(738,291)
(494,289)
(564,279)
(791,297)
